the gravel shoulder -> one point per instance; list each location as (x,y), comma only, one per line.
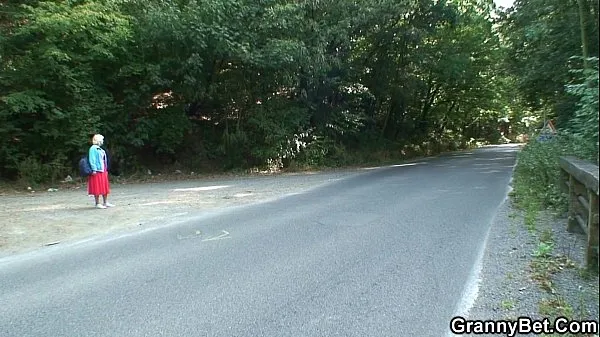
(34,219)
(508,290)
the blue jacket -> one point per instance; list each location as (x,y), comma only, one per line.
(97,156)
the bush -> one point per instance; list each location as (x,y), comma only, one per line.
(33,172)
(537,175)
(537,180)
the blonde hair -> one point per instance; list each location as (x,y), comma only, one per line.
(98,139)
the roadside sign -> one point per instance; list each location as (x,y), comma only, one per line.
(547,132)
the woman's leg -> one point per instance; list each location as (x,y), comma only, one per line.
(106,203)
(107,190)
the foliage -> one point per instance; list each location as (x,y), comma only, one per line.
(543,40)
(584,124)
(542,36)
(246,83)
(54,60)
(537,181)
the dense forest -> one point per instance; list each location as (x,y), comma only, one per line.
(226,84)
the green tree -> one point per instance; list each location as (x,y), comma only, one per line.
(55,57)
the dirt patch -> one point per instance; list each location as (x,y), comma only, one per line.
(33,219)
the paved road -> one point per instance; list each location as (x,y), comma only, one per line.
(391,252)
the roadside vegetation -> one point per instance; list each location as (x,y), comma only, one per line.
(539,198)
(238,85)
(538,194)
(537,187)
(549,43)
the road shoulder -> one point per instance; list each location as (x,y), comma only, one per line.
(516,282)
(36,219)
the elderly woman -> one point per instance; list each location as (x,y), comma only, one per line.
(98,184)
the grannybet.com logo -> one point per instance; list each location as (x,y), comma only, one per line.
(523,325)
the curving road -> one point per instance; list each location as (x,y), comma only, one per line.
(390,252)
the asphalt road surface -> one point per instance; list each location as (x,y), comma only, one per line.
(390,252)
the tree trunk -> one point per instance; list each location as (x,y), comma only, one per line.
(388,117)
(584,38)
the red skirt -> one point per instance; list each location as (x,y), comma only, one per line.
(98,184)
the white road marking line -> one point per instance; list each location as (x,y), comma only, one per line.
(220,237)
(471,289)
(197,189)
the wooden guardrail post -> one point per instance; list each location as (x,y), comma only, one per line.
(583,203)
(592,248)
(576,222)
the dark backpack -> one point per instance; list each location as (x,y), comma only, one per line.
(108,160)
(85,169)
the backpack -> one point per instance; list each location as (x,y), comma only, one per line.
(108,160)
(85,169)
